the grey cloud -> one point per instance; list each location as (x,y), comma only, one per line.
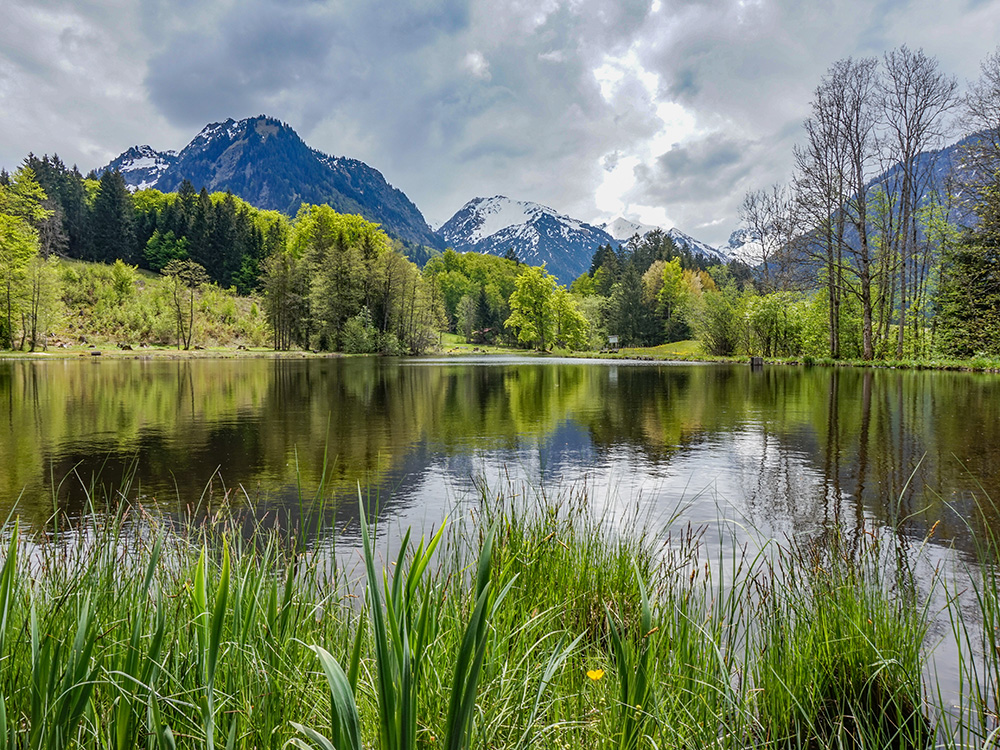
(697,171)
(260,51)
(386,81)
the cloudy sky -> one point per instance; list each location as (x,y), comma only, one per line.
(664,111)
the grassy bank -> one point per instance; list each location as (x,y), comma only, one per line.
(525,623)
(691,351)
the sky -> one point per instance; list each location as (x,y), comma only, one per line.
(665,112)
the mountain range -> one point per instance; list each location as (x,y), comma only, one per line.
(265,162)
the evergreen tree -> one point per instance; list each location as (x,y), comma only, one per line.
(112,221)
(222,253)
(65,231)
(969,296)
(633,321)
(187,199)
(199,227)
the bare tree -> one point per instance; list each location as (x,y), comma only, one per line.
(982,117)
(852,86)
(826,175)
(768,216)
(915,98)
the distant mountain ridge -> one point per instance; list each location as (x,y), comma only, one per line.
(265,162)
(536,233)
(622,230)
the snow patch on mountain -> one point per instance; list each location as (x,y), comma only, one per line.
(482,218)
(697,247)
(623,229)
(230,130)
(499,212)
(265,162)
(141,166)
(745,247)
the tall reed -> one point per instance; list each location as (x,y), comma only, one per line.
(530,622)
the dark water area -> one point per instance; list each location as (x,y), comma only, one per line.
(784,451)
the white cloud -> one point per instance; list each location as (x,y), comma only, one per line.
(627,86)
(476,64)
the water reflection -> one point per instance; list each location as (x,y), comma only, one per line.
(785,450)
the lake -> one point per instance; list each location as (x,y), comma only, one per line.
(779,452)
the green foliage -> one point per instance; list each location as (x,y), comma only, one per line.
(594,309)
(18,245)
(359,334)
(23,197)
(841,653)
(969,297)
(161,249)
(718,316)
(337,266)
(196,637)
(112,221)
(531,307)
(184,275)
(632,663)
(42,305)
(405,614)
(571,326)
(117,304)
(583,286)
(775,324)
(630,317)
(673,301)
(486,280)
(20,209)
(286,298)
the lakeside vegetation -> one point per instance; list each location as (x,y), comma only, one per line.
(527,621)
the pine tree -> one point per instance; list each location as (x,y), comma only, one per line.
(630,318)
(112,221)
(969,298)
(199,228)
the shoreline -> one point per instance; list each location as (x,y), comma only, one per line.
(626,355)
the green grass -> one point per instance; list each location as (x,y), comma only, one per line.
(528,622)
(453,343)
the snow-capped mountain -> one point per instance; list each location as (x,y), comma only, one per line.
(622,229)
(745,247)
(697,247)
(537,233)
(141,166)
(265,162)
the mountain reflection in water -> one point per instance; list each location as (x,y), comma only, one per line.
(783,450)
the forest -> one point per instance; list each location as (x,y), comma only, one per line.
(883,245)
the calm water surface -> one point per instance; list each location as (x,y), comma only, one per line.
(781,451)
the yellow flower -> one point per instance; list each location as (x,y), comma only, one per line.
(595,674)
